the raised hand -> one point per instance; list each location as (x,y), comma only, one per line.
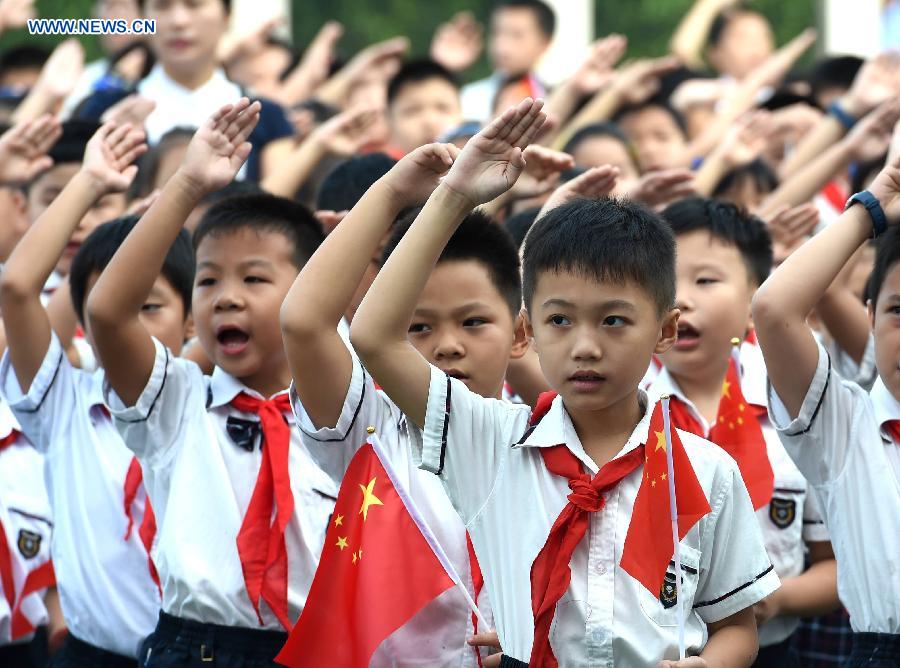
(789,227)
(877,81)
(492,160)
(886,187)
(417,174)
(220,146)
(658,189)
(347,132)
(747,138)
(595,182)
(457,43)
(62,70)
(543,167)
(597,69)
(23,148)
(133,109)
(109,155)
(871,136)
(639,80)
(313,69)
(15,13)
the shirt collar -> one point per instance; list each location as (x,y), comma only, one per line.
(95,392)
(556,428)
(884,405)
(160,82)
(223,387)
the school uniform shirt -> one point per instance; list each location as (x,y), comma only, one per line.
(27,521)
(200,481)
(853,465)
(509,500)
(792,516)
(435,636)
(864,373)
(107,595)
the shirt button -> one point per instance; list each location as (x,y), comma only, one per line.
(600,568)
(599,636)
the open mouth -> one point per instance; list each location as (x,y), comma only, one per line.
(586,380)
(688,337)
(232,340)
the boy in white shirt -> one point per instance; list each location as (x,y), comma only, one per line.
(233,578)
(723,255)
(841,437)
(466,323)
(598,284)
(106,584)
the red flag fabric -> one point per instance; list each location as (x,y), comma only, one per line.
(648,543)
(377,570)
(738,432)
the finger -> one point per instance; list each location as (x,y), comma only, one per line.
(493,661)
(117,135)
(532,109)
(215,120)
(242,152)
(230,116)
(128,175)
(39,165)
(489,639)
(128,143)
(499,127)
(133,154)
(246,129)
(533,130)
(237,123)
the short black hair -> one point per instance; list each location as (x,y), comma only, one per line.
(543,13)
(417,71)
(98,249)
(656,102)
(834,72)
(23,57)
(887,254)
(729,224)
(518,224)
(232,189)
(598,130)
(148,164)
(348,182)
(264,213)
(757,171)
(477,239)
(613,240)
(76,133)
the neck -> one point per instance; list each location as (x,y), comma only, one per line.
(190,77)
(603,432)
(267,383)
(704,388)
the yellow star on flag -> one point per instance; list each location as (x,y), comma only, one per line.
(355,559)
(660,441)
(726,389)
(339,520)
(369,499)
(342,542)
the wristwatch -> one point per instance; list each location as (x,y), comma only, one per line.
(873,206)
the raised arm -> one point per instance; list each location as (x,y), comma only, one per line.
(489,164)
(782,304)
(692,33)
(106,168)
(319,360)
(213,157)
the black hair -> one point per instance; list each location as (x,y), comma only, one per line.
(233,189)
(417,71)
(603,240)
(518,224)
(543,13)
(76,133)
(758,171)
(598,130)
(887,254)
(288,48)
(720,23)
(345,185)
(784,97)
(139,45)
(148,164)
(477,239)
(23,57)
(98,249)
(655,102)
(835,72)
(729,224)
(263,213)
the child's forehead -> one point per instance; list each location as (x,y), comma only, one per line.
(234,246)
(454,283)
(57,175)
(581,288)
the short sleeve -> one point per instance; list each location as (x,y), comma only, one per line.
(736,570)
(818,439)
(156,422)
(47,406)
(466,440)
(332,448)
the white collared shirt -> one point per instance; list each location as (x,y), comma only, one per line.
(201,482)
(436,636)
(792,516)
(177,106)
(27,522)
(854,469)
(107,595)
(509,501)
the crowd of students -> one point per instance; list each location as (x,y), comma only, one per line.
(226,262)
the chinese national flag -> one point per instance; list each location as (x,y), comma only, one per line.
(377,570)
(738,433)
(649,544)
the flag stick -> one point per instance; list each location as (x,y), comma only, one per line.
(679,609)
(736,356)
(429,536)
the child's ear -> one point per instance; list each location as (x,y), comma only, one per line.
(870,309)
(189,330)
(668,332)
(520,339)
(528,329)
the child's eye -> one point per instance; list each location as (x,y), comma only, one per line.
(474,322)
(254,279)
(894,310)
(558,320)
(706,281)
(205,282)
(151,307)
(614,321)
(418,328)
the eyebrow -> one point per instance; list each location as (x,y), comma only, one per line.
(466,308)
(243,265)
(602,306)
